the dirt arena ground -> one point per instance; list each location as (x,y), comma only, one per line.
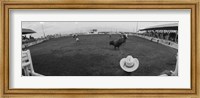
(93,56)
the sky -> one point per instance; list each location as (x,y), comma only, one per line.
(70,27)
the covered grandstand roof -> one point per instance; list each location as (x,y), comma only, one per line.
(27,31)
(173,26)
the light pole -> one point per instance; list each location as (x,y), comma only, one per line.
(77,29)
(136,27)
(43,28)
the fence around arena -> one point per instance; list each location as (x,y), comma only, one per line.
(161,41)
(32,43)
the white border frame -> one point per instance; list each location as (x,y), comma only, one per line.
(181,81)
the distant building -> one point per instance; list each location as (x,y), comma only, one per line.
(103,32)
(93,31)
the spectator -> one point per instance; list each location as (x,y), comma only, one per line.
(169,72)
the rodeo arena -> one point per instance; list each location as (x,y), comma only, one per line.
(149,51)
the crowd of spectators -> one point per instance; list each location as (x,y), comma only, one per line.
(170,35)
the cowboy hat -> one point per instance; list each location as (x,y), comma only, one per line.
(129,64)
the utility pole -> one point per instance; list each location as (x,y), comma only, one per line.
(136,27)
(43,28)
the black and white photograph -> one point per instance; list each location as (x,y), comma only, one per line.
(99,48)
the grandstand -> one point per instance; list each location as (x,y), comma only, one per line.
(166,34)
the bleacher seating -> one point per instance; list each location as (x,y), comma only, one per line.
(27,65)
